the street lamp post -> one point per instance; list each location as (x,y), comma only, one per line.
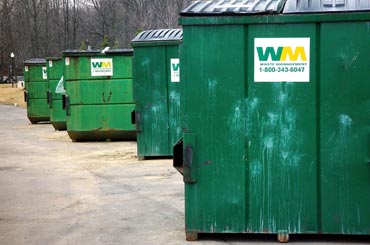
(1,73)
(1,65)
(12,69)
(11,78)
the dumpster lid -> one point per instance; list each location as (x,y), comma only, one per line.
(233,7)
(159,35)
(301,6)
(79,52)
(119,51)
(35,61)
(53,58)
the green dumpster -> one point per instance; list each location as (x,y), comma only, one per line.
(275,116)
(99,100)
(156,91)
(36,87)
(55,73)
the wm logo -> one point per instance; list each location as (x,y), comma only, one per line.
(101,64)
(281,54)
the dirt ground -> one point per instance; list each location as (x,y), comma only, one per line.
(54,191)
(12,96)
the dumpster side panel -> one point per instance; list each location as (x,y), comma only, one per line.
(38,110)
(52,86)
(151,94)
(281,131)
(345,117)
(77,68)
(37,90)
(37,87)
(55,73)
(110,91)
(37,73)
(58,115)
(215,174)
(173,67)
(100,100)
(282,147)
(55,69)
(99,122)
(80,68)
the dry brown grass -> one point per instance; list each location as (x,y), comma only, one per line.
(11,96)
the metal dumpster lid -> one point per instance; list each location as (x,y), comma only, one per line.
(304,6)
(53,58)
(159,35)
(81,52)
(119,51)
(233,7)
(35,61)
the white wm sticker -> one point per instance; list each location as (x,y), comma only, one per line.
(50,63)
(26,68)
(282,59)
(175,70)
(101,67)
(44,73)
(67,61)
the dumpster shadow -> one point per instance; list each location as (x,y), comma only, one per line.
(154,158)
(315,238)
(295,238)
(233,237)
(39,123)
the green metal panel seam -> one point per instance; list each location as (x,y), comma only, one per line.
(154,44)
(318,126)
(167,96)
(246,157)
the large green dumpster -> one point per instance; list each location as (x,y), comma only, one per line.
(275,111)
(55,73)
(99,100)
(36,87)
(156,77)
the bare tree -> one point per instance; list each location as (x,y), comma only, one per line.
(40,28)
(74,24)
(46,33)
(7,36)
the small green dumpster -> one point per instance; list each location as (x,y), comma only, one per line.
(156,77)
(36,87)
(275,111)
(55,74)
(99,100)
